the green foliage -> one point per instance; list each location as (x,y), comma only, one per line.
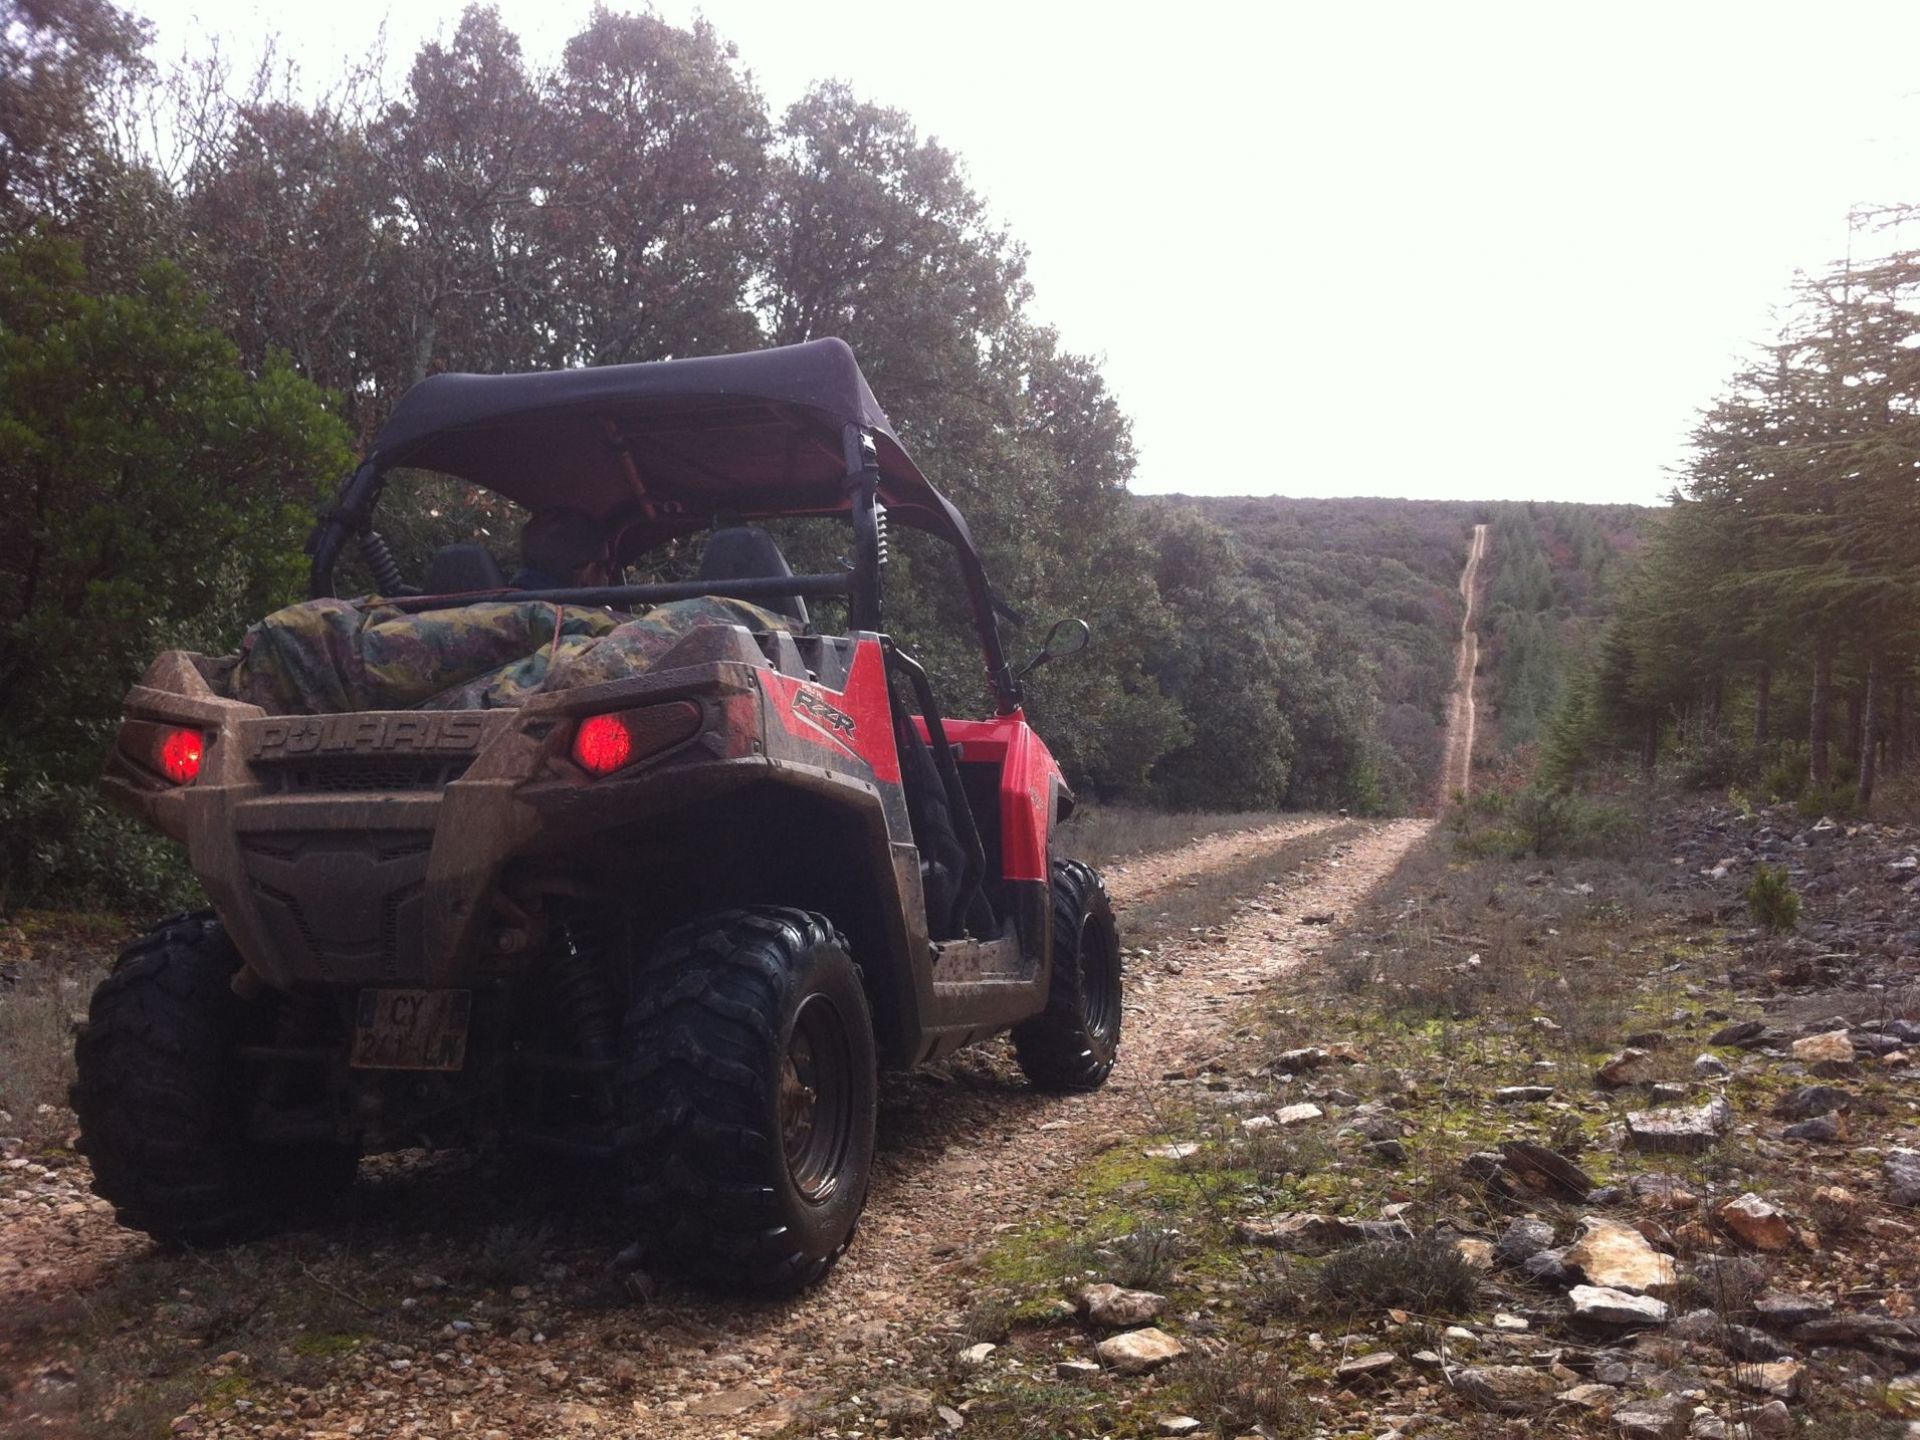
(1838,798)
(155,494)
(1541,821)
(1772,900)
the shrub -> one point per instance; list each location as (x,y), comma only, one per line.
(1772,900)
(1837,798)
(1237,1390)
(1427,1276)
(1714,762)
(1543,822)
(1785,775)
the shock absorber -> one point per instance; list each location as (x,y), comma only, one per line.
(386,570)
(581,993)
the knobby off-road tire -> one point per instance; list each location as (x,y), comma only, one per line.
(162,1101)
(745,1099)
(1072,1044)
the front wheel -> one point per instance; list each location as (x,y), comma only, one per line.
(1072,1044)
(745,1099)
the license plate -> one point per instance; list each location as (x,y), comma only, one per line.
(411,1029)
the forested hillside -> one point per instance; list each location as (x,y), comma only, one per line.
(197,338)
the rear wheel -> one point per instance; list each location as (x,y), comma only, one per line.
(1072,1044)
(745,1099)
(162,1098)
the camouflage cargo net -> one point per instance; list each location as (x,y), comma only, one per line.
(325,657)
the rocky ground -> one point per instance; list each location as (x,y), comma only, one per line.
(1562,1149)
(453,1299)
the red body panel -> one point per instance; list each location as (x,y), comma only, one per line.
(857,720)
(1028,772)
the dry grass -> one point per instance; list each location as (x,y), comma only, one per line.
(37,1013)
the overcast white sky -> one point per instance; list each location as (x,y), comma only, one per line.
(1423,249)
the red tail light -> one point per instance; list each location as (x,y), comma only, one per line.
(602,744)
(606,743)
(180,753)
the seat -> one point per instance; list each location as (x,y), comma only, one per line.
(461,569)
(746,552)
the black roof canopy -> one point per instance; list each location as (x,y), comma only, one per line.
(662,449)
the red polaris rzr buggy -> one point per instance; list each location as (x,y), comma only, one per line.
(668,906)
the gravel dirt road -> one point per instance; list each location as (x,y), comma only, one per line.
(965,1148)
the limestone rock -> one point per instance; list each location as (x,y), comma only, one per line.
(1786,1310)
(1176,1425)
(1119,1309)
(1756,1223)
(1522,1094)
(1902,1171)
(1076,1370)
(1663,1418)
(1590,1396)
(1785,1379)
(1297,1114)
(1711,1067)
(1509,1389)
(1679,1132)
(1832,1048)
(1821,1130)
(897,1402)
(1632,1066)
(1477,1253)
(1522,1238)
(1376,1365)
(1602,1306)
(976,1355)
(1771,1419)
(1618,1257)
(1804,1102)
(1139,1351)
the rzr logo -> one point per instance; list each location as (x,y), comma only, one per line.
(836,723)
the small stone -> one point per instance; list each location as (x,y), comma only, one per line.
(1293,1062)
(1509,1389)
(950,1417)
(1711,1067)
(976,1355)
(1663,1418)
(1679,1132)
(1376,1365)
(1834,1048)
(1902,1171)
(1821,1130)
(1477,1253)
(1076,1370)
(1511,1323)
(1771,1419)
(1632,1066)
(1176,1425)
(1804,1102)
(1297,1114)
(1786,1310)
(1756,1223)
(1139,1351)
(1618,1257)
(1603,1306)
(1119,1309)
(1545,1171)
(1708,1426)
(898,1402)
(1590,1396)
(1522,1094)
(1182,1151)
(1256,1123)
(738,1401)
(1549,1267)
(1522,1238)
(1786,1379)
(1738,1033)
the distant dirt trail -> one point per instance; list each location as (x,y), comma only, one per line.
(1457,776)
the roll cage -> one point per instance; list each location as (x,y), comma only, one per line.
(667,449)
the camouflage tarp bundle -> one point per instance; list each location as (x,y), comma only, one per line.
(325,657)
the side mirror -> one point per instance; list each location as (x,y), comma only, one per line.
(1067,637)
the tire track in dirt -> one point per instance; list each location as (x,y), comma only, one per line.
(1457,774)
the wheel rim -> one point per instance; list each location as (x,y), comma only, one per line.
(816,1099)
(1100,977)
